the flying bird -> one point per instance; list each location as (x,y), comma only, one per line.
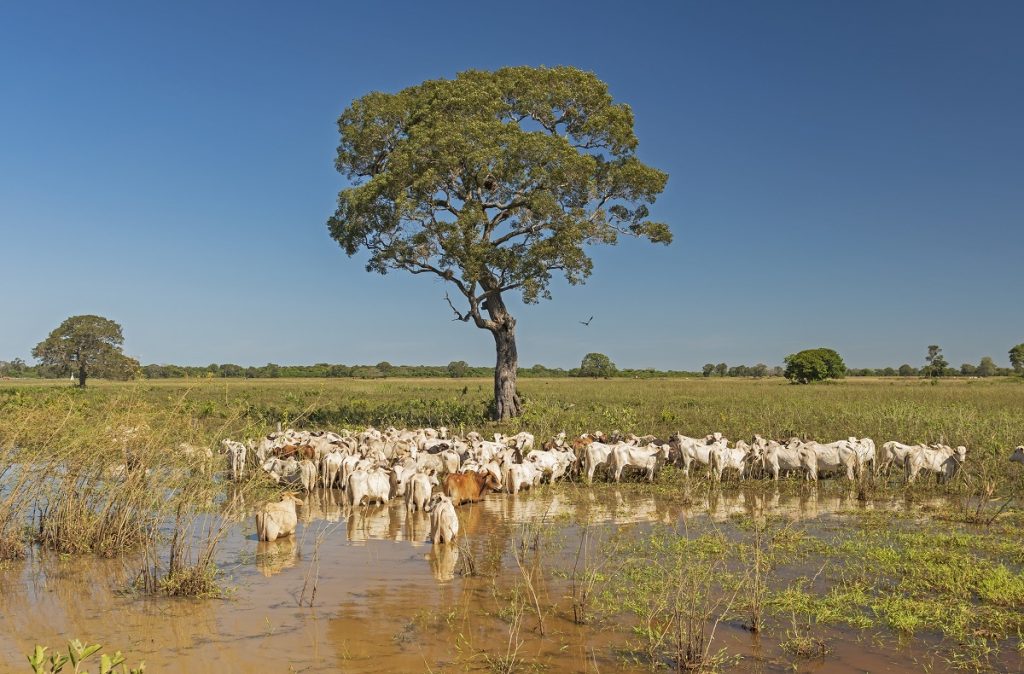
(587,322)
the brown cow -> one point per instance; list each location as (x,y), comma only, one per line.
(582,442)
(469,487)
(298,451)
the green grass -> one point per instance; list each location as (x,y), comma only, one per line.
(983,414)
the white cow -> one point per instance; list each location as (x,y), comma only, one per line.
(277,519)
(696,449)
(552,464)
(235,452)
(418,490)
(282,469)
(307,474)
(369,485)
(865,448)
(940,459)
(896,452)
(522,476)
(733,458)
(486,450)
(642,457)
(330,468)
(595,454)
(834,456)
(522,441)
(776,457)
(444,521)
(399,475)
(492,467)
(451,461)
(290,471)
(199,457)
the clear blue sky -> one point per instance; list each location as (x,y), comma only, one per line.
(844,174)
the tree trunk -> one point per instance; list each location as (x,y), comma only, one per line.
(81,375)
(506,400)
(501,324)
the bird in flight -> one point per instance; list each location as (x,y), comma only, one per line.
(587,322)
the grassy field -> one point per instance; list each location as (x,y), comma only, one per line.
(950,572)
(987,415)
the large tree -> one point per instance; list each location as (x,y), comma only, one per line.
(597,365)
(1017,358)
(493,182)
(814,365)
(87,346)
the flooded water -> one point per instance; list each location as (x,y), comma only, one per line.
(387,601)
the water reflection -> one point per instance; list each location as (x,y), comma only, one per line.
(393,522)
(486,526)
(417,528)
(276,556)
(368,588)
(443,560)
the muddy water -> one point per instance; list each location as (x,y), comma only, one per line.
(386,601)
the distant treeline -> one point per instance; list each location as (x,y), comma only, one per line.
(457,369)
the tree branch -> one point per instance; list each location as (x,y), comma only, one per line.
(458,316)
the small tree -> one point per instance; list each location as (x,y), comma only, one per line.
(987,367)
(1017,358)
(907,370)
(14,368)
(814,365)
(457,368)
(968,369)
(709,369)
(597,365)
(721,369)
(88,346)
(937,364)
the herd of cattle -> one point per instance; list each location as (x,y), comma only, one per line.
(377,466)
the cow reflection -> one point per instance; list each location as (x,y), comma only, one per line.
(321,504)
(234,508)
(443,558)
(276,556)
(417,527)
(366,522)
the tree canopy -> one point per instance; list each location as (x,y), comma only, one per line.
(87,346)
(814,365)
(597,365)
(1017,358)
(936,362)
(493,182)
(458,368)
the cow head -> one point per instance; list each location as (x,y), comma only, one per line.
(488,480)
(436,500)
(1018,455)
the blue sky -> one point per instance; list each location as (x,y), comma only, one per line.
(841,174)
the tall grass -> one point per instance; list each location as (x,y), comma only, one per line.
(101,471)
(98,470)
